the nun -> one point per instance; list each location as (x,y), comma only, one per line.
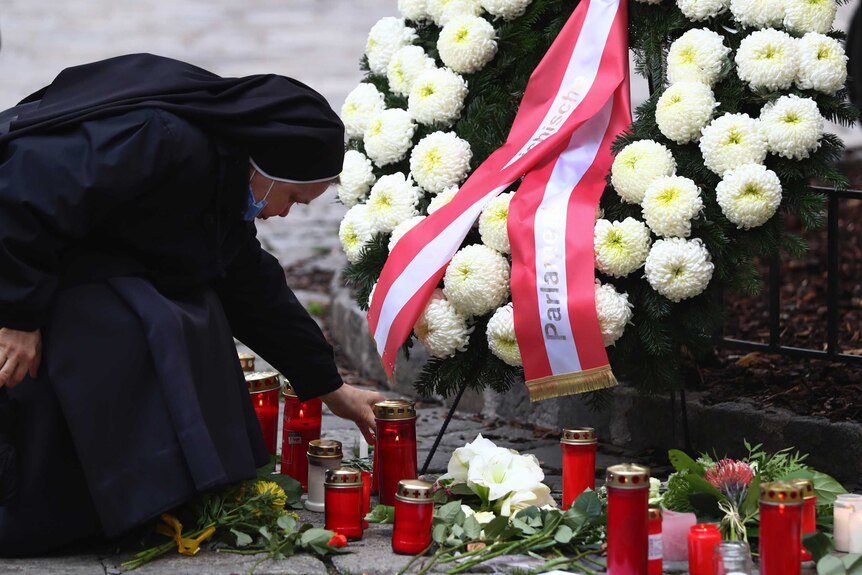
(128,264)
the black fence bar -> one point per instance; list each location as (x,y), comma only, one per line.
(832,349)
(832,273)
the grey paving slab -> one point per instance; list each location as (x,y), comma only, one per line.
(73,565)
(213,563)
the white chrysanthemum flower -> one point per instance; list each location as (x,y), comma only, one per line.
(637,165)
(466,44)
(406,65)
(415,10)
(402,229)
(792,125)
(699,10)
(749,195)
(614,312)
(355,231)
(386,37)
(730,141)
(437,97)
(389,136)
(492,223)
(501,336)
(356,178)
(442,199)
(802,16)
(758,13)
(441,329)
(767,59)
(678,268)
(683,110)
(669,205)
(697,56)
(620,247)
(476,280)
(822,63)
(440,160)
(442,11)
(362,104)
(505,9)
(391,201)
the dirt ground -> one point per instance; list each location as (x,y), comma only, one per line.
(805,386)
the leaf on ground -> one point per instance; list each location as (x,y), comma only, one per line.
(381,514)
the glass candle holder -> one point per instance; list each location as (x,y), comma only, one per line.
(809,512)
(343,494)
(366,497)
(732,558)
(628,496)
(414,510)
(323,454)
(396,445)
(841,511)
(264,388)
(375,471)
(246,362)
(702,539)
(300,425)
(579,462)
(655,552)
(780,528)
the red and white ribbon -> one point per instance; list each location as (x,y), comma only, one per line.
(575,103)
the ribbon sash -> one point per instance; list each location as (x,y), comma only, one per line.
(575,102)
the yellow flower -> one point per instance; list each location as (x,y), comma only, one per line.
(273,489)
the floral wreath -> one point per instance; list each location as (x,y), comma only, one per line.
(716,158)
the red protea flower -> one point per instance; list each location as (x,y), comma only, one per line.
(731,477)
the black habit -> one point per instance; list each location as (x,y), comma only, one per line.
(121,191)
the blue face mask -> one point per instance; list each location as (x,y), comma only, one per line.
(252,208)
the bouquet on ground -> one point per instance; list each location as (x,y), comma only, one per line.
(252,517)
(726,491)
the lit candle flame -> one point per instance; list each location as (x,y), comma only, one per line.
(301,413)
(397,437)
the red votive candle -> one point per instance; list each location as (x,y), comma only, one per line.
(579,462)
(702,540)
(780,528)
(628,496)
(809,511)
(264,386)
(655,555)
(300,425)
(414,510)
(375,471)
(366,497)
(396,445)
(246,362)
(343,487)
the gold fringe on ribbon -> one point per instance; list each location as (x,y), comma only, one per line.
(571,383)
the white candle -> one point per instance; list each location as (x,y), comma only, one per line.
(841,512)
(855,530)
(363,446)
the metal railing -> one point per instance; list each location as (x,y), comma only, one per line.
(832,350)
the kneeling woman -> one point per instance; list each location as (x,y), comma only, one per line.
(128,263)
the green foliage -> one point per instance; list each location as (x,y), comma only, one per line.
(775,466)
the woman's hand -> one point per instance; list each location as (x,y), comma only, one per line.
(356,405)
(20,352)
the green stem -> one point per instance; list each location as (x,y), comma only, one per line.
(414,559)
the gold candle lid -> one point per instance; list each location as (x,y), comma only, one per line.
(287,389)
(324,448)
(395,409)
(343,477)
(627,476)
(654,513)
(578,436)
(246,361)
(414,491)
(807,487)
(259,381)
(780,493)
